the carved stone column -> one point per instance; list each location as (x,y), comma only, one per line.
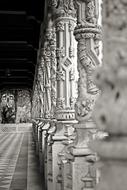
(49,76)
(35,102)
(87,33)
(111,109)
(64,19)
(38,104)
(65,23)
(47,58)
(53,72)
(40,81)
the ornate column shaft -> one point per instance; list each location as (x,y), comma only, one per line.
(35,102)
(87,33)
(53,72)
(111,109)
(40,80)
(49,66)
(47,57)
(47,83)
(64,20)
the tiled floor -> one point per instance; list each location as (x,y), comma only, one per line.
(18,164)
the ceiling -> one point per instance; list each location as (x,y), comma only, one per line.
(19,40)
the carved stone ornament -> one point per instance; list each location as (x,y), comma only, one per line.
(47,53)
(60,26)
(60,76)
(71,26)
(89,66)
(84,108)
(60,52)
(40,74)
(60,104)
(71,52)
(72,75)
(87,13)
(48,34)
(63,8)
(90,12)
(53,72)
(8,111)
(64,114)
(72,102)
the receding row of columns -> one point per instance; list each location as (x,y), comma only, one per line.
(63,126)
(63,108)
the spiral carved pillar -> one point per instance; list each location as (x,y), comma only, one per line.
(88,34)
(111,109)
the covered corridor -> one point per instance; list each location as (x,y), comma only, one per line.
(19,167)
(52,76)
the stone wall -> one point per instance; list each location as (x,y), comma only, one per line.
(22,104)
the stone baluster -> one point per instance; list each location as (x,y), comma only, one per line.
(110,111)
(87,33)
